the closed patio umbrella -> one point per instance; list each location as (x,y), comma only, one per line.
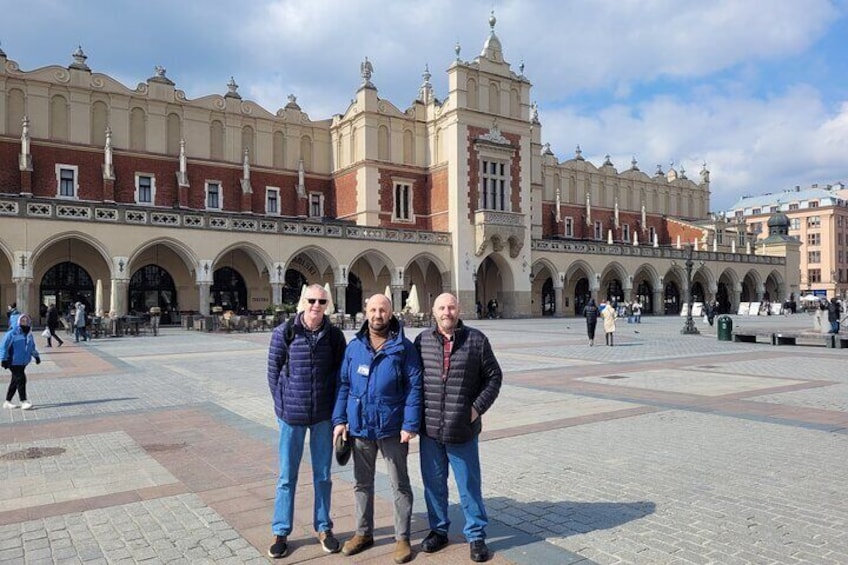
(412,301)
(331,307)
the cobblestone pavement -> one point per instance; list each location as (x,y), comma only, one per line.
(662,449)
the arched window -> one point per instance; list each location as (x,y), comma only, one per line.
(15,110)
(383,143)
(408,147)
(247,144)
(59,118)
(228,290)
(514,103)
(279,150)
(473,94)
(174,134)
(152,286)
(216,140)
(138,129)
(306,152)
(99,123)
(353,295)
(494,98)
(65,284)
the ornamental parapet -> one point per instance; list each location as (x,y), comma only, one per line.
(648,252)
(123,214)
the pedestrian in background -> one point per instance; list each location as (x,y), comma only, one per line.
(52,325)
(19,349)
(608,315)
(590,312)
(79,323)
(304,359)
(379,406)
(462,379)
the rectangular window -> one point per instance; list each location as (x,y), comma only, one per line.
(813,256)
(813,239)
(214,201)
(814,203)
(841,256)
(793,206)
(66,181)
(599,230)
(814,275)
(494,194)
(402,209)
(316,205)
(652,234)
(756,211)
(757,227)
(796,224)
(839,221)
(145,187)
(738,213)
(813,222)
(272,200)
(569,227)
(839,238)
(773,210)
(625,232)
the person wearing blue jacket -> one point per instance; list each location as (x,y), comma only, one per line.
(378,405)
(303,370)
(13,315)
(18,350)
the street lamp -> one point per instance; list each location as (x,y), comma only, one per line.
(689,327)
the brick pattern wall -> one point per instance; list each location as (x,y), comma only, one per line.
(581,231)
(420,200)
(474,170)
(345,188)
(10,177)
(439,204)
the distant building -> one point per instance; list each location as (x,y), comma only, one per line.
(818,219)
(217,202)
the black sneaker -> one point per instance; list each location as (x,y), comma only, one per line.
(479,551)
(434,542)
(279,548)
(328,541)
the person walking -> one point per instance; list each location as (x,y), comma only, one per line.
(378,405)
(304,359)
(12,314)
(19,349)
(462,379)
(833,315)
(590,312)
(52,325)
(608,315)
(79,323)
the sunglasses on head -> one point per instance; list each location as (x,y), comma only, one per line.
(321,301)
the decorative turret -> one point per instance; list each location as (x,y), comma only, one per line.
(425,93)
(366,69)
(79,60)
(232,89)
(492,49)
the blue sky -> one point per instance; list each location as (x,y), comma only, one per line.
(755,89)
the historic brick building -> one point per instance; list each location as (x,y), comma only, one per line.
(186,204)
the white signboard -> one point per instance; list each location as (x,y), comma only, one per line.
(697,309)
(754,309)
(743,308)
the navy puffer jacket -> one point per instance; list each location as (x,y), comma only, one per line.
(303,376)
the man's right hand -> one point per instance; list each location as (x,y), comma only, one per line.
(339,430)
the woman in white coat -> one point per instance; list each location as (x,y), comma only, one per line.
(608,316)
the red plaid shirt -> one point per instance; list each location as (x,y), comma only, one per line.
(447,347)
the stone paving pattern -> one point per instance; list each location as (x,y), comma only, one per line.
(663,449)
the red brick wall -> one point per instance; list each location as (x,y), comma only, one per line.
(420,200)
(165,172)
(582,231)
(45,159)
(439,220)
(686,233)
(10,176)
(474,169)
(344,187)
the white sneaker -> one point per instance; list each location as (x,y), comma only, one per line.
(26,405)
(9,405)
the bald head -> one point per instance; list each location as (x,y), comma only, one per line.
(446,312)
(378,312)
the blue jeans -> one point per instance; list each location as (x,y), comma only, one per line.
(464,459)
(292,439)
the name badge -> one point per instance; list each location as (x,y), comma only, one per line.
(363,370)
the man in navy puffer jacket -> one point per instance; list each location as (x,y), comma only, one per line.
(303,368)
(379,405)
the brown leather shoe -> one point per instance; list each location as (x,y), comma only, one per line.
(403,551)
(356,544)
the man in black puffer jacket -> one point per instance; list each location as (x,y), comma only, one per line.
(303,368)
(462,379)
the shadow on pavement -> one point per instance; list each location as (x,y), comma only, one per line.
(81,402)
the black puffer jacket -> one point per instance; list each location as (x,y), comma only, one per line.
(474,379)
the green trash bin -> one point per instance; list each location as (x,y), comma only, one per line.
(725,328)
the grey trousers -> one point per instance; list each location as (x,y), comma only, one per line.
(364,463)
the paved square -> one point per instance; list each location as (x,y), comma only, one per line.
(662,449)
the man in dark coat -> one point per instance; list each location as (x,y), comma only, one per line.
(590,312)
(833,312)
(462,379)
(303,367)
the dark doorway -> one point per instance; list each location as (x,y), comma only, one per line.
(548,298)
(581,295)
(615,292)
(697,292)
(723,299)
(65,284)
(151,286)
(229,291)
(672,299)
(645,296)
(353,295)
(293,287)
